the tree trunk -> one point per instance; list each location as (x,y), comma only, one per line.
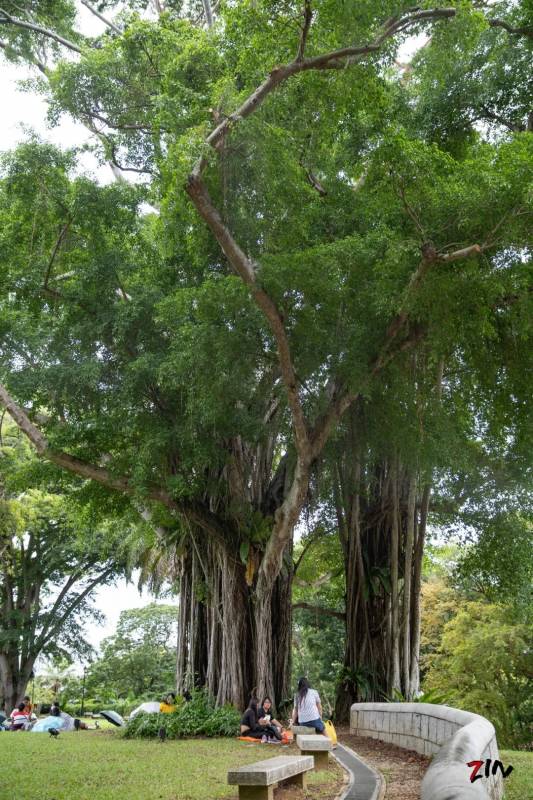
(14,678)
(417,583)
(236,669)
(382,531)
(281,623)
(394,666)
(407,573)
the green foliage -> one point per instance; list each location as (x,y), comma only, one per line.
(484,664)
(54,553)
(500,563)
(199,717)
(432,696)
(138,660)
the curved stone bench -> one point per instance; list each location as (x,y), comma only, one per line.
(454,737)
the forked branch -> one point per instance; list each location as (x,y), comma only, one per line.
(7,19)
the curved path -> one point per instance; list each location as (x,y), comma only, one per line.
(365,782)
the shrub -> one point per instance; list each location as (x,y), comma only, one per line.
(199,717)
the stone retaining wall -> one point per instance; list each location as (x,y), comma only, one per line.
(454,737)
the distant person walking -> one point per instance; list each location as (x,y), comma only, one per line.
(307,707)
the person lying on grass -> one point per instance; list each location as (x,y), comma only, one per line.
(54,721)
(69,722)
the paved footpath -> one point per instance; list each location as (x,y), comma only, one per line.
(365,782)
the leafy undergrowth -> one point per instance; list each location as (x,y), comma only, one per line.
(199,717)
(518,786)
(104,765)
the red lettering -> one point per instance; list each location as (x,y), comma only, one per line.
(477,766)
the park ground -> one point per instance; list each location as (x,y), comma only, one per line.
(102,765)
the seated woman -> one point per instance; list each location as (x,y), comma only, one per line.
(266,716)
(19,718)
(169,704)
(252,726)
(307,707)
(250,721)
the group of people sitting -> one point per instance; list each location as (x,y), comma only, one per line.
(20,718)
(259,721)
(23,718)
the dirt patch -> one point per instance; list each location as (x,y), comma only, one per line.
(403,770)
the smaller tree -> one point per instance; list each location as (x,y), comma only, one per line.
(485,665)
(53,555)
(139,659)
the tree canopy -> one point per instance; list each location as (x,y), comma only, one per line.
(336,260)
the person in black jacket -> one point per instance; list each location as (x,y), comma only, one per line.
(250,725)
(266,717)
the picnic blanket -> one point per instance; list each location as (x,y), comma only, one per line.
(286,738)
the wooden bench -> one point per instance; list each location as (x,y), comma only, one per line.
(317,746)
(258,781)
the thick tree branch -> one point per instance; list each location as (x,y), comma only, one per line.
(101,17)
(63,232)
(511,126)
(208,11)
(343,400)
(194,512)
(37,62)
(246,269)
(7,19)
(61,459)
(308,18)
(500,23)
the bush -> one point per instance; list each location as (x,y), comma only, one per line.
(199,717)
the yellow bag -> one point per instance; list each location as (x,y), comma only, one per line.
(331,732)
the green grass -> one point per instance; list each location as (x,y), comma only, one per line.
(102,765)
(519,784)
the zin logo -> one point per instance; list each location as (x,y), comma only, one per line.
(495,767)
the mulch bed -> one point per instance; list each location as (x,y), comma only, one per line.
(403,770)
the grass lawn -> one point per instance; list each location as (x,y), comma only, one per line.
(519,784)
(102,765)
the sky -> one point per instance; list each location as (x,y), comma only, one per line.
(24,111)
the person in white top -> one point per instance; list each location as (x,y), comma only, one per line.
(307,707)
